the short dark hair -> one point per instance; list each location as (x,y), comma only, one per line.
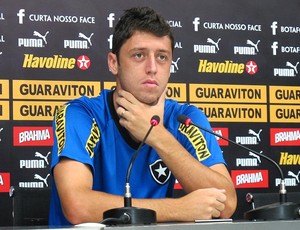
(139,19)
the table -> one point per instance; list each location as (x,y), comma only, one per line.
(235,225)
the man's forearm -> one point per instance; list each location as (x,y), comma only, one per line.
(191,173)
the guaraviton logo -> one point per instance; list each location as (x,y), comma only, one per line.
(196,138)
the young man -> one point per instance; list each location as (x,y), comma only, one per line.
(96,138)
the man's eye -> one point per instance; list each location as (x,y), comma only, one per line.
(162,57)
(138,55)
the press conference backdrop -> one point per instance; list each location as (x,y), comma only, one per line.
(236,60)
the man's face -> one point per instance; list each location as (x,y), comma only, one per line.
(144,66)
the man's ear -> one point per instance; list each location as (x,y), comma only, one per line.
(112,62)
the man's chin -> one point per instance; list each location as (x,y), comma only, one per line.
(149,100)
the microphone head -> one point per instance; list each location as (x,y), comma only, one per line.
(155,120)
(184,119)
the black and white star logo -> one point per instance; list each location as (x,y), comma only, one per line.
(160,171)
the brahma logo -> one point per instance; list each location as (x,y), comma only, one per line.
(33,136)
(222,132)
(4,181)
(285,136)
(250,178)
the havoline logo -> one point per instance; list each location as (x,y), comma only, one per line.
(227,67)
(57,61)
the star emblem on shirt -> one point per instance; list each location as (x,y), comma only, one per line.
(160,171)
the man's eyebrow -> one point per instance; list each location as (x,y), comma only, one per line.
(138,49)
(164,51)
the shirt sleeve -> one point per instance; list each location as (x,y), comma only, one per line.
(201,144)
(76,134)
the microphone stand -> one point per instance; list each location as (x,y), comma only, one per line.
(281,210)
(128,214)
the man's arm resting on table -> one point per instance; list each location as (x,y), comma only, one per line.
(81,204)
(192,174)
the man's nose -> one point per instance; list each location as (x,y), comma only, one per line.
(151,65)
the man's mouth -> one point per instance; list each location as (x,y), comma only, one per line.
(150,83)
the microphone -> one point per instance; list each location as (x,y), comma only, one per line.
(129,214)
(281,210)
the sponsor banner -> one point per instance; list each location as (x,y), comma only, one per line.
(250,49)
(4,110)
(289,70)
(287,158)
(290,29)
(289,182)
(226,26)
(227,67)
(39,41)
(285,113)
(33,136)
(234,113)
(35,110)
(109,85)
(250,178)
(254,137)
(285,94)
(54,90)
(57,61)
(211,48)
(25,17)
(83,43)
(4,89)
(4,181)
(248,162)
(285,136)
(176,91)
(228,93)
(41,161)
(37,181)
(224,133)
(282,49)
(174,66)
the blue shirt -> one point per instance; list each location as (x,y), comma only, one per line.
(88,130)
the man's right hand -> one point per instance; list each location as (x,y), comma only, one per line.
(201,204)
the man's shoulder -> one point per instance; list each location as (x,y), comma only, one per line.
(179,107)
(92,102)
